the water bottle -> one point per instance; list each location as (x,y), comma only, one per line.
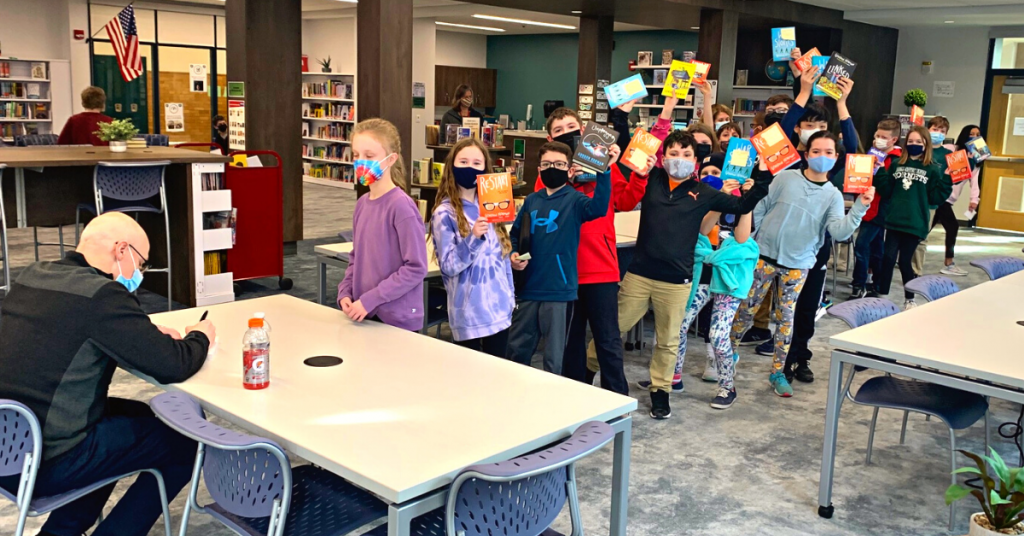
(256,355)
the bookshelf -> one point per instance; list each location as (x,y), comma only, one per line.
(212,234)
(750,99)
(25,98)
(328,116)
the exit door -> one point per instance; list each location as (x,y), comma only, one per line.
(1002,177)
(125,100)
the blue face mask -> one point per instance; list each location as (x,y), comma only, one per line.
(937,138)
(821,164)
(719,125)
(136,280)
(679,168)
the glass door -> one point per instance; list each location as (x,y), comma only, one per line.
(1002,175)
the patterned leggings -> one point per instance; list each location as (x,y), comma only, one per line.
(723,311)
(789,283)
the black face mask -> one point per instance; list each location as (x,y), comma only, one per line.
(570,139)
(222,128)
(772,118)
(554,178)
(702,150)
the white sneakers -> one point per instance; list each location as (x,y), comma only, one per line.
(711,369)
(909,304)
(953,269)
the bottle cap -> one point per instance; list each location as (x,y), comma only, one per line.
(255,322)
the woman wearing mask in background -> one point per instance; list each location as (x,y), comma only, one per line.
(462,107)
(220,133)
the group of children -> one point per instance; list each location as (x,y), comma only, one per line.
(700,240)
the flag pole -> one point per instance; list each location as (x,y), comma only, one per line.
(104,27)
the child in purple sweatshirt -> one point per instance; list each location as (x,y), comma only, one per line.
(384,280)
(473,255)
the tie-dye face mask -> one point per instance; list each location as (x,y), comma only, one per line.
(370,171)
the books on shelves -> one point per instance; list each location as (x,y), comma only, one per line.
(592,149)
(625,90)
(700,72)
(644,57)
(748,106)
(739,160)
(741,77)
(436,172)
(421,171)
(330,110)
(464,132)
(494,191)
(680,76)
(838,66)
(667,56)
(473,124)
(783,42)
(432,134)
(958,166)
(775,148)
(5,69)
(451,134)
(641,147)
(860,170)
(211,181)
(215,262)
(32,91)
(804,62)
(331,89)
(340,153)
(38,70)
(336,172)
(660,75)
(979,149)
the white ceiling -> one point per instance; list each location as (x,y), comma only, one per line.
(908,13)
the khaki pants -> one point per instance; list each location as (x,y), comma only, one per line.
(669,301)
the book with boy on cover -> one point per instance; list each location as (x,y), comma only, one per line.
(680,76)
(860,170)
(804,62)
(739,160)
(838,66)
(700,72)
(775,148)
(783,43)
(592,149)
(625,90)
(958,166)
(494,192)
(642,146)
(979,149)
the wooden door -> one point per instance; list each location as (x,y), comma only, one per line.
(1002,176)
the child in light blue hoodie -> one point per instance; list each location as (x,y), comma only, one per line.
(472,254)
(791,224)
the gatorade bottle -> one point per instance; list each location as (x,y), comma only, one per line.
(256,356)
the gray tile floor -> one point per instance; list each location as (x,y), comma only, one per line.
(752,469)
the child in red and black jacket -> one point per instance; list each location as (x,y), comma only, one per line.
(870,245)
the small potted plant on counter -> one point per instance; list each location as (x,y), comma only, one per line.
(1001,498)
(325,65)
(117,133)
(915,96)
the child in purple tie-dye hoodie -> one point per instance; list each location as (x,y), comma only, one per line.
(472,254)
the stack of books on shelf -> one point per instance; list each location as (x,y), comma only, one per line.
(331,131)
(341,153)
(332,89)
(215,262)
(16,110)
(19,90)
(329,171)
(9,130)
(748,106)
(137,143)
(212,181)
(339,112)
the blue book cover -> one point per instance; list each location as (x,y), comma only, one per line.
(625,90)
(819,63)
(783,43)
(739,160)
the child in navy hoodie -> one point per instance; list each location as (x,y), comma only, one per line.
(548,229)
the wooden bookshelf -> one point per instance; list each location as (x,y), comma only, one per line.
(21,113)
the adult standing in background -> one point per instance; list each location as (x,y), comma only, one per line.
(81,128)
(462,106)
(220,133)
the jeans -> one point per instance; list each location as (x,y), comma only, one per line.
(901,246)
(807,307)
(496,344)
(868,251)
(597,304)
(530,321)
(128,438)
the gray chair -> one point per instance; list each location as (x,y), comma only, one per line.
(156,140)
(958,409)
(35,139)
(997,267)
(932,287)
(518,497)
(130,187)
(21,441)
(254,488)
(32,140)
(3,237)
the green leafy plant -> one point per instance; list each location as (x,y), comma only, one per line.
(117,130)
(326,64)
(915,96)
(1002,501)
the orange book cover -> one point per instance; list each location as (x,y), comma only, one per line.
(640,147)
(494,191)
(917,115)
(700,72)
(804,62)
(959,168)
(860,170)
(775,148)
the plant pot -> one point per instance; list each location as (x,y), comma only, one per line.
(978,530)
(326,70)
(118,146)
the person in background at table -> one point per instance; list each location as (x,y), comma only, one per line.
(81,128)
(727,131)
(553,218)
(870,245)
(705,141)
(384,280)
(473,254)
(598,262)
(914,184)
(66,326)
(462,107)
(220,133)
(792,222)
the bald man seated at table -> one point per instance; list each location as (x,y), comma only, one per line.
(65,326)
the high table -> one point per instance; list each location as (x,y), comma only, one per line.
(970,341)
(404,443)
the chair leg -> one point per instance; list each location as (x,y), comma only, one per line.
(574,503)
(167,226)
(903,430)
(163,499)
(871,435)
(60,239)
(35,241)
(952,464)
(78,224)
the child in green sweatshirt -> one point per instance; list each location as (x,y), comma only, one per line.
(913,184)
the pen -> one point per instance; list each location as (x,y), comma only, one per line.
(206,312)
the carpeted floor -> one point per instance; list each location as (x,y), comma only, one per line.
(752,469)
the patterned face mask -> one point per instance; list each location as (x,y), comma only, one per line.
(370,171)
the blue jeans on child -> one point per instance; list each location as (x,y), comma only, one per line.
(868,251)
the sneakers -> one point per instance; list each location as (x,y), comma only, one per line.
(802,373)
(779,384)
(659,405)
(953,269)
(711,369)
(755,336)
(724,399)
(873,294)
(909,304)
(677,387)
(858,293)
(766,348)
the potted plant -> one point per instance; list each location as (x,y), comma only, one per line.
(915,96)
(1002,497)
(117,133)
(325,64)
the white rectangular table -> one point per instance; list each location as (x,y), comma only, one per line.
(404,413)
(969,341)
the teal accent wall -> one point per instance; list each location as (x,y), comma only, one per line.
(535,68)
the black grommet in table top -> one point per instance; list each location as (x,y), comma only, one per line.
(322,361)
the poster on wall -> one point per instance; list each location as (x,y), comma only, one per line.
(174,117)
(236,125)
(197,77)
(419,95)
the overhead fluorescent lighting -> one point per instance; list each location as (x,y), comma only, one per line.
(576,12)
(349,1)
(469,26)
(949,22)
(694,27)
(524,21)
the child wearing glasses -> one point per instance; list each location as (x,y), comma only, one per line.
(548,229)
(472,254)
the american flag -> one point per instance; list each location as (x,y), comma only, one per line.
(124,37)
